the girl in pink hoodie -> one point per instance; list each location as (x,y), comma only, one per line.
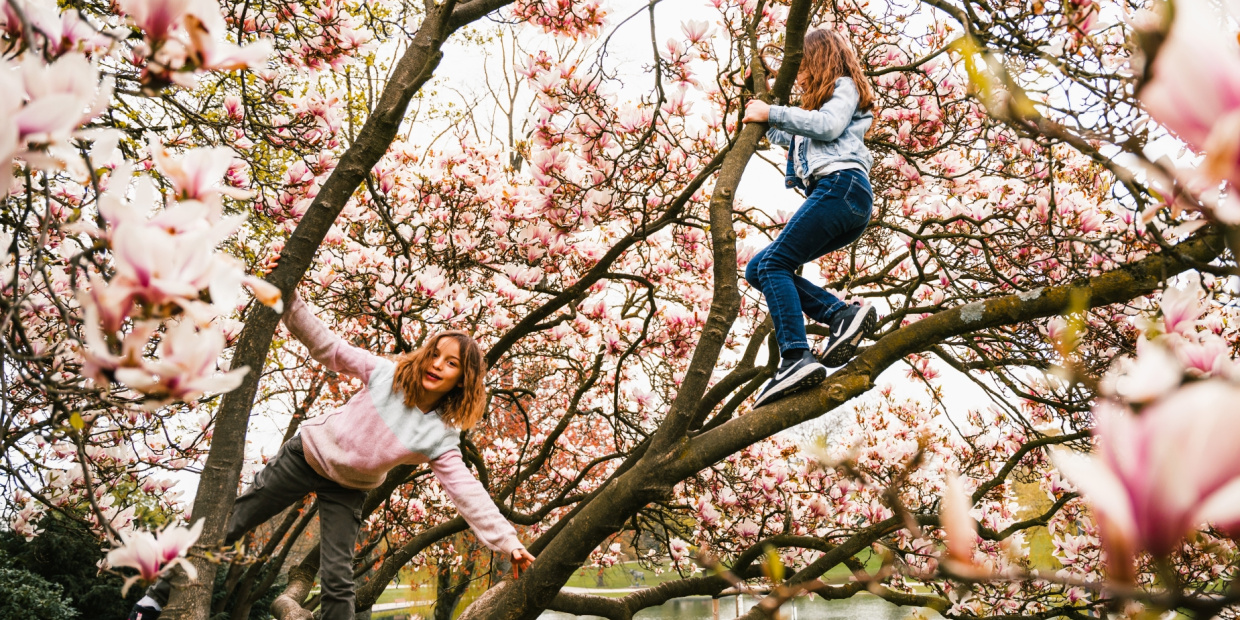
(411,410)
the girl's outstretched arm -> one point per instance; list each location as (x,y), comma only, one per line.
(824,124)
(474,503)
(326,347)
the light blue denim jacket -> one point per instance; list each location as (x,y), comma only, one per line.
(831,138)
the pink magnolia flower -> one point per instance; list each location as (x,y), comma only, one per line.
(265,292)
(174,542)
(678,549)
(1157,476)
(525,277)
(185,368)
(1083,15)
(818,507)
(158,266)
(215,54)
(1091,220)
(1154,373)
(197,173)
(156,18)
(1180,309)
(747,529)
(60,97)
(1199,101)
(138,551)
(1204,357)
(98,359)
(234,107)
(1056,328)
(695,30)
(63,31)
(162,267)
(112,303)
(707,512)
(152,555)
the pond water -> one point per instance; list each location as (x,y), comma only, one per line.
(860,607)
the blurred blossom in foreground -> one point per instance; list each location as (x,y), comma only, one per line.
(1194,91)
(959,530)
(1158,475)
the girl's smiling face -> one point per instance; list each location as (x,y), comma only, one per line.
(444,370)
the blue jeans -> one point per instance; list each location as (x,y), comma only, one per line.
(834,215)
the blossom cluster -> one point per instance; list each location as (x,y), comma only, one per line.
(1166,431)
(113,268)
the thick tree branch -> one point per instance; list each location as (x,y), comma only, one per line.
(1119,285)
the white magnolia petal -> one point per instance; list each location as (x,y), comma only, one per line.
(139,379)
(226,277)
(1221,508)
(265,292)
(1102,489)
(220,384)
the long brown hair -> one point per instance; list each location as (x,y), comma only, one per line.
(461,407)
(827,57)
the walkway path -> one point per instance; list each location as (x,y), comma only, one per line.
(574,590)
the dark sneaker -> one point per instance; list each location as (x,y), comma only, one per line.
(142,612)
(793,376)
(849,326)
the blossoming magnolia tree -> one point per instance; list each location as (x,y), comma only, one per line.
(1027,238)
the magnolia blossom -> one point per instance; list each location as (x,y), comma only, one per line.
(695,30)
(158,267)
(43,105)
(678,549)
(153,555)
(98,360)
(182,36)
(197,173)
(1199,99)
(157,18)
(1153,373)
(163,260)
(1205,356)
(63,32)
(1180,308)
(185,367)
(215,54)
(1158,475)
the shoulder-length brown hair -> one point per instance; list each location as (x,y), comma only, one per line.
(828,56)
(461,407)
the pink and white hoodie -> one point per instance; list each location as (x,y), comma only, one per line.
(359,443)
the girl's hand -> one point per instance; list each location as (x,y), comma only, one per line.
(756,111)
(521,560)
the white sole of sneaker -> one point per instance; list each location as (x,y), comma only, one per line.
(845,347)
(805,378)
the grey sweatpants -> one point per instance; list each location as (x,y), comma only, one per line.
(286,479)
